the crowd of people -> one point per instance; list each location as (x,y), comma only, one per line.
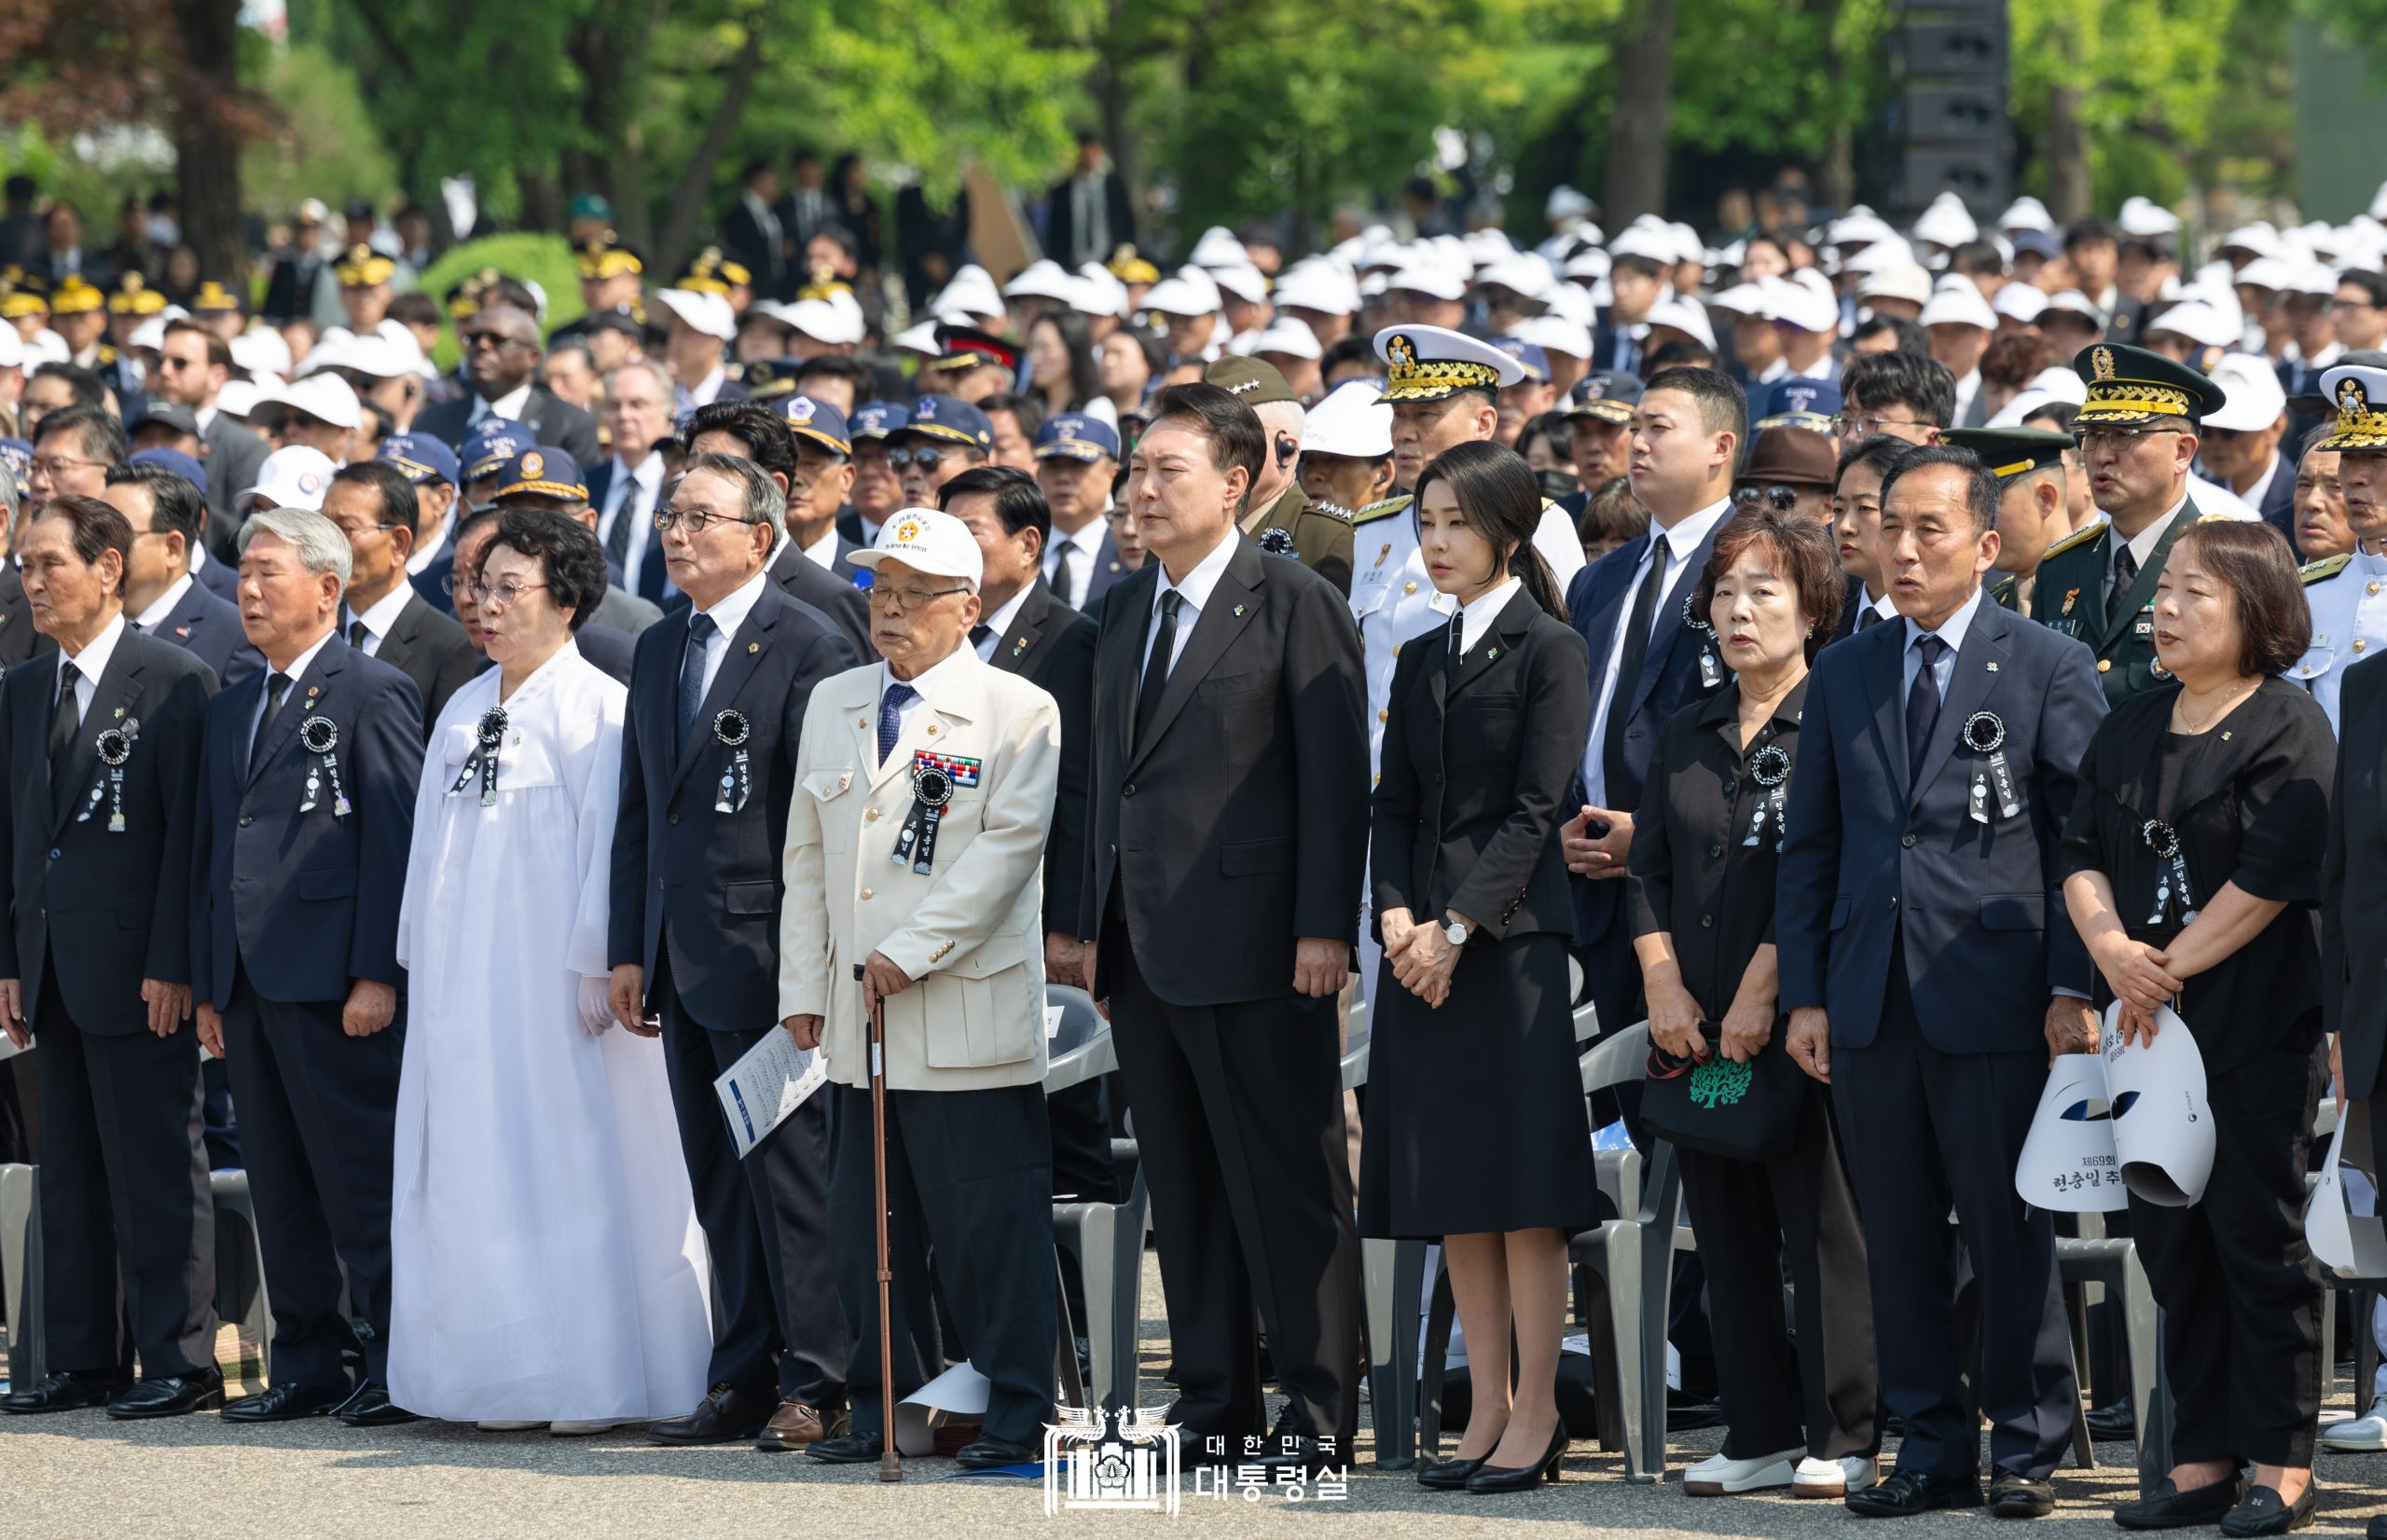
(478,764)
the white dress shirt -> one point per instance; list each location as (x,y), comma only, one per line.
(1196,590)
(1476,617)
(945,671)
(378,619)
(1953,631)
(297,671)
(821,553)
(2262,486)
(727,616)
(1681,543)
(90,664)
(703,391)
(634,492)
(1085,549)
(2142,544)
(155,616)
(511,404)
(999,623)
(1966,389)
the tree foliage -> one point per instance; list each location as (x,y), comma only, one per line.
(2148,74)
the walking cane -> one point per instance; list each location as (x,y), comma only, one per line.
(891,1461)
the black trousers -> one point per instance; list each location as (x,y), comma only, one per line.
(1238,1114)
(20,1111)
(127,1222)
(778,1331)
(2240,1296)
(1753,1218)
(969,1175)
(1926,1131)
(319,1110)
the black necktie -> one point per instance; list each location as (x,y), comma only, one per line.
(2118,597)
(1923,705)
(1061,583)
(617,539)
(979,633)
(692,675)
(1628,669)
(358,632)
(62,722)
(1867,615)
(1156,667)
(276,687)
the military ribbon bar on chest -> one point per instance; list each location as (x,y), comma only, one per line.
(489,736)
(731,730)
(320,736)
(1985,735)
(935,779)
(114,746)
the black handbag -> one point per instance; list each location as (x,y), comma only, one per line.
(1749,1111)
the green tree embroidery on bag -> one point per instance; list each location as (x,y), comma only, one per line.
(1720,1082)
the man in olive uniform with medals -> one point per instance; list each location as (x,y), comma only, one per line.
(2028,464)
(1279,517)
(2138,438)
(2347,593)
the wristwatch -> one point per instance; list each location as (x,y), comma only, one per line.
(1455,932)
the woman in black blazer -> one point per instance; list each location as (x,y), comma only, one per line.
(2193,861)
(1702,896)
(1476,1131)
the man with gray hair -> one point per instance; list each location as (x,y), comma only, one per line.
(626,489)
(1278,516)
(305,816)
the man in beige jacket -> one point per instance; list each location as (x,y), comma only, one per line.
(915,848)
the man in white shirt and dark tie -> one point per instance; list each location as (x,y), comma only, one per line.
(1077,456)
(627,488)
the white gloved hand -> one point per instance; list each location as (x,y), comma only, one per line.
(596,1006)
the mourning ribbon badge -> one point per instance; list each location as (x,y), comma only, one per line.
(1769,767)
(2171,873)
(320,736)
(115,745)
(935,779)
(483,759)
(731,730)
(1985,735)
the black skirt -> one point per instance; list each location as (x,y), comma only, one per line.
(1475,1119)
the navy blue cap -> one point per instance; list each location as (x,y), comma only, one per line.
(818,421)
(2037,242)
(1078,437)
(878,419)
(1529,357)
(950,420)
(175,461)
(422,458)
(18,455)
(1792,396)
(544,471)
(489,443)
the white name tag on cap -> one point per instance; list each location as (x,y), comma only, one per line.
(769,1082)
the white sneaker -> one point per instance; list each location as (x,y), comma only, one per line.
(508,1427)
(1720,1476)
(1833,1477)
(2366,1433)
(574,1428)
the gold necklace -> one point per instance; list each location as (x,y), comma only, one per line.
(2180,708)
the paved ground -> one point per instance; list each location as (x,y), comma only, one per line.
(81,1475)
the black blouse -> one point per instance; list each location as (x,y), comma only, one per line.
(2248,801)
(1694,872)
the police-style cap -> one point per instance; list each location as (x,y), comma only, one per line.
(74,296)
(1794,401)
(2128,386)
(878,419)
(1253,381)
(818,421)
(543,472)
(1529,356)
(606,257)
(1608,394)
(361,267)
(215,297)
(1074,435)
(134,296)
(2011,451)
(2359,394)
(1430,363)
(948,420)
(423,457)
(21,294)
(967,348)
(927,541)
(493,442)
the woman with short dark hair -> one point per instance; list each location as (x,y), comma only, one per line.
(1702,896)
(2193,860)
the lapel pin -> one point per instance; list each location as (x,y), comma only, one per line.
(1992,668)
(753,647)
(119,714)
(1491,652)
(1238,611)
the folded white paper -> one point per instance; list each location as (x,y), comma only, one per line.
(2162,1125)
(2069,1164)
(2351,1243)
(766,1083)
(960,1393)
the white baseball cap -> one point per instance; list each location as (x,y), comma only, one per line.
(2026,214)
(2018,302)
(927,541)
(12,348)
(1241,279)
(2200,320)
(1556,334)
(1946,222)
(1284,335)
(1684,316)
(1957,302)
(263,350)
(1219,248)
(2253,397)
(1044,279)
(325,397)
(971,290)
(709,313)
(294,477)
(1904,280)
(1189,293)
(1349,421)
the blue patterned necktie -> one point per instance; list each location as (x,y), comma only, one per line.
(890,717)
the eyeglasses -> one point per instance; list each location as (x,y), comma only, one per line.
(1774,495)
(505,595)
(696,519)
(491,339)
(883,598)
(1850,423)
(926,460)
(352,530)
(2120,438)
(55,467)
(2343,304)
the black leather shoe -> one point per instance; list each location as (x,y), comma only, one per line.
(2117,1423)
(1450,1475)
(854,1449)
(369,1407)
(2375,1529)
(284,1404)
(68,1390)
(988,1453)
(1489,1478)
(2262,1512)
(2016,1496)
(1904,1494)
(170,1395)
(725,1416)
(2167,1507)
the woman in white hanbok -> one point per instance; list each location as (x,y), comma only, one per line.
(547,1264)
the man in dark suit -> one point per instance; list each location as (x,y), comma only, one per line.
(2354,893)
(374,505)
(1226,836)
(626,489)
(502,357)
(306,809)
(102,764)
(752,228)
(168,513)
(718,692)
(1090,215)
(1647,658)
(748,430)
(194,364)
(1929,970)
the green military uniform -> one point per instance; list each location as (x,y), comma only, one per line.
(2010,453)
(2127,388)
(1316,534)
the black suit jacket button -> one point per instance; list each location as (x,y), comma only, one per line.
(1714,851)
(244,821)
(1893,904)
(1731,786)
(53,855)
(1906,840)
(1128,790)
(672,819)
(1707,922)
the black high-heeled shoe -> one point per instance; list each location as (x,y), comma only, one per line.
(1521,1478)
(1449,1475)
